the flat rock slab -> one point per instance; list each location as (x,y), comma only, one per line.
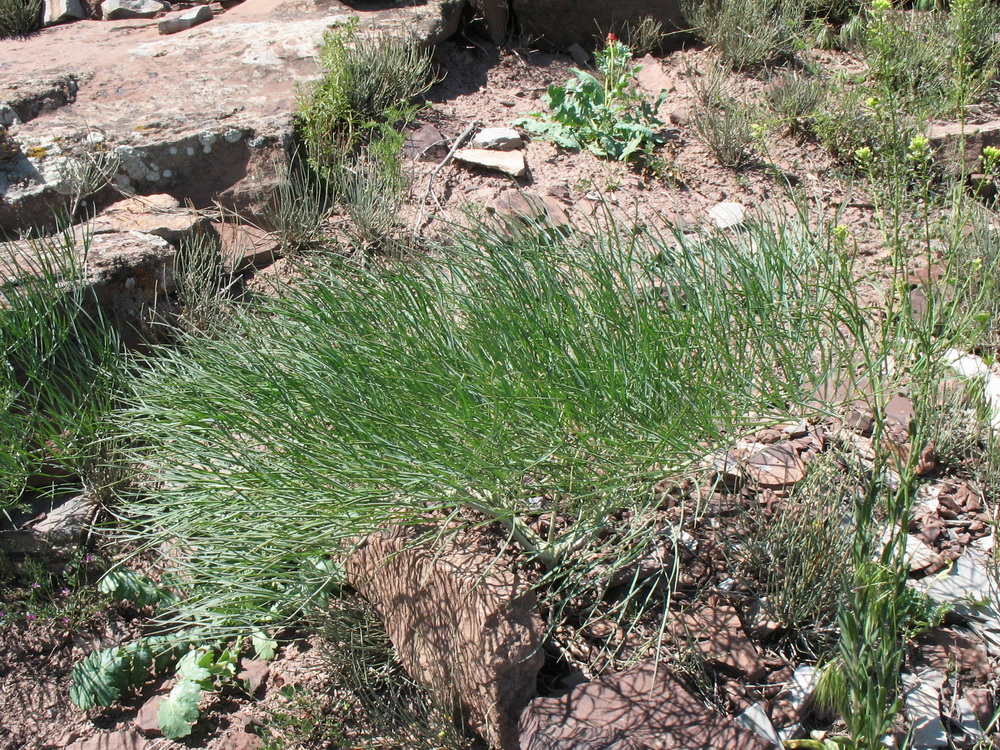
(716,631)
(948,140)
(508,162)
(245,246)
(461,624)
(160,215)
(646,707)
(116,10)
(184,20)
(203,115)
(126,739)
(528,206)
(777,465)
(58,11)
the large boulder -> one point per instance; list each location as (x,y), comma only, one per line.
(57,11)
(562,24)
(462,625)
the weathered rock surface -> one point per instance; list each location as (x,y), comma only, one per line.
(147,720)
(646,707)
(244,246)
(66,522)
(184,20)
(494,15)
(562,24)
(25,100)
(116,10)
(717,633)
(528,206)
(497,139)
(58,11)
(508,162)
(460,624)
(947,141)
(776,466)
(202,116)
(126,739)
(160,215)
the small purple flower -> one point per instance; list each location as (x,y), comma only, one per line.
(88,558)
(65,592)
(29,617)
(2,615)
(36,585)
(65,621)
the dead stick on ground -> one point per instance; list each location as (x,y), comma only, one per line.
(430,179)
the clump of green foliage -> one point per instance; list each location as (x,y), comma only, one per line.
(350,123)
(795,99)
(470,383)
(196,664)
(62,367)
(748,32)
(797,562)
(19,17)
(601,113)
(367,89)
(937,61)
(723,122)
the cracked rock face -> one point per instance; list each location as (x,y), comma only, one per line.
(461,624)
(203,115)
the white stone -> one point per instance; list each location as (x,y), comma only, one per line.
(802,688)
(57,11)
(66,521)
(497,139)
(184,20)
(972,366)
(967,582)
(726,215)
(113,10)
(755,719)
(923,708)
(509,162)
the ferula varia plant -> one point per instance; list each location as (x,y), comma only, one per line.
(577,370)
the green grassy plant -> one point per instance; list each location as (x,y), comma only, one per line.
(202,287)
(797,563)
(509,368)
(645,37)
(601,113)
(369,79)
(298,209)
(940,61)
(363,667)
(19,17)
(748,32)
(795,100)
(975,51)
(371,188)
(63,368)
(850,123)
(724,123)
